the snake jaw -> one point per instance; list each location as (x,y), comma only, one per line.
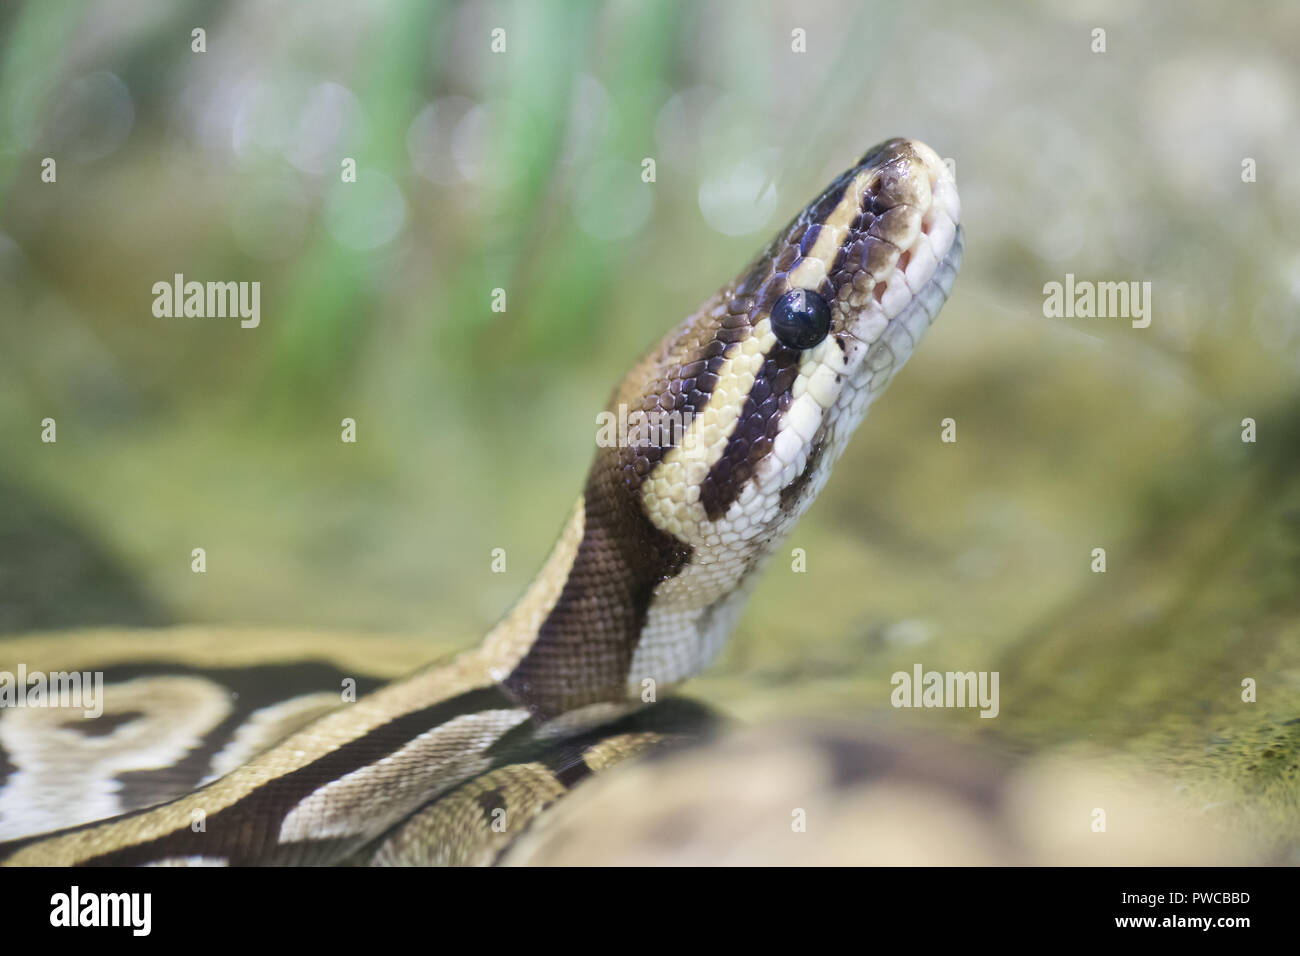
(903,233)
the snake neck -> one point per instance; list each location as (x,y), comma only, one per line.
(572,639)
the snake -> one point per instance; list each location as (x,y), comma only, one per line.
(260,763)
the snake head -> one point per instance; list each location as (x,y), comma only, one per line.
(727,429)
(769,378)
(777,369)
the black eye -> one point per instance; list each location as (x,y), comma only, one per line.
(801,319)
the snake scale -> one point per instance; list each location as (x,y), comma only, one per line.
(770,376)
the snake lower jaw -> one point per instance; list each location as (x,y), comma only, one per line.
(902,331)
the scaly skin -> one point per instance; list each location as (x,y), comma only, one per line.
(769,377)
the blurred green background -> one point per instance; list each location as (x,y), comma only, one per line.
(521,170)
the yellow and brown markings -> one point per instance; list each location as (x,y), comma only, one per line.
(165,729)
(475,823)
(585,644)
(248,828)
(471,826)
(726,373)
(657,556)
(755,430)
(252,794)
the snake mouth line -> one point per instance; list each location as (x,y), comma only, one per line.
(909,252)
(903,331)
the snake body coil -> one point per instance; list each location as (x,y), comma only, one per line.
(663,545)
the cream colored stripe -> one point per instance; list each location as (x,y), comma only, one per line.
(407,778)
(504,647)
(810,272)
(328,734)
(671,495)
(206,647)
(508,642)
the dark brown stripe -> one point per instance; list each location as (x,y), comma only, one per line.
(584,647)
(514,745)
(756,428)
(571,769)
(247,831)
(792,492)
(251,689)
(676,720)
(859,251)
(489,802)
(103,725)
(7,767)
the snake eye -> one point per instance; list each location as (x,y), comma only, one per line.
(801,319)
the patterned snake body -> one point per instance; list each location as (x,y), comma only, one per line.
(769,377)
